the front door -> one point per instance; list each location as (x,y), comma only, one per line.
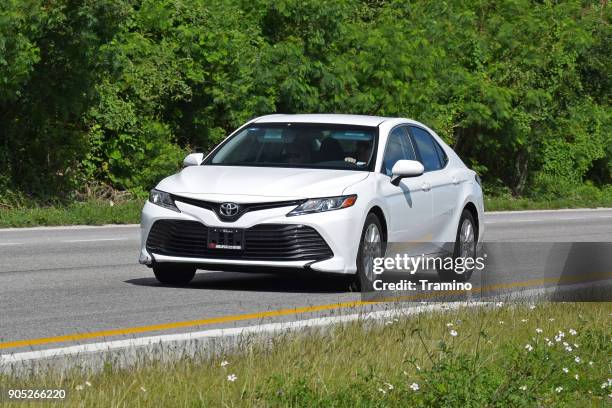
(410,203)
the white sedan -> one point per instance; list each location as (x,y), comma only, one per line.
(320,192)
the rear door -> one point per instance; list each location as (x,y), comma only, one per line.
(410,202)
(443,183)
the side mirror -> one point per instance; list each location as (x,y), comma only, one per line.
(193,159)
(406,168)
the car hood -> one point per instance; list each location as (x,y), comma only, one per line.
(216,183)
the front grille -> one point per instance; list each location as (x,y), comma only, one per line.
(263,242)
(243,208)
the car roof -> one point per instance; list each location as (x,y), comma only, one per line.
(331,118)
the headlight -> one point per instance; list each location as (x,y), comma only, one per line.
(315,205)
(162,199)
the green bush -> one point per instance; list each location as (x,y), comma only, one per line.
(117,91)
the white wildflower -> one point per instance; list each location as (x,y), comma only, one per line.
(524,320)
(528,347)
(414,387)
(558,389)
(576,377)
(538,330)
(559,336)
(565,370)
(389,386)
(232,377)
(577,360)
(87,383)
(573,332)
(224,363)
(523,388)
(80,387)
(453,333)
(382,391)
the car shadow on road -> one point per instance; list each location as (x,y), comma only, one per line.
(236,281)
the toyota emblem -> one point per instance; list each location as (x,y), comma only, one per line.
(228,209)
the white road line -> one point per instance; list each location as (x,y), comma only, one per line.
(560,210)
(11,243)
(234,331)
(70,227)
(546,219)
(94,240)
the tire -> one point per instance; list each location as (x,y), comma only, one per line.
(371,245)
(465,246)
(174,274)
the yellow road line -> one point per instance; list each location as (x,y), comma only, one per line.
(177,325)
(282,312)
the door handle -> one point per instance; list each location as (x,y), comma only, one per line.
(426,186)
(455,180)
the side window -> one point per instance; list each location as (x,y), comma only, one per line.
(427,148)
(441,153)
(398,147)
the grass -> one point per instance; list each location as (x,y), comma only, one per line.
(519,204)
(81,213)
(567,196)
(407,362)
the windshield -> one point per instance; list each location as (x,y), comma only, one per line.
(299,145)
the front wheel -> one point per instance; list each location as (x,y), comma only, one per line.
(174,274)
(371,246)
(465,247)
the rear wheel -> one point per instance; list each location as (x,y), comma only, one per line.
(465,247)
(371,246)
(174,274)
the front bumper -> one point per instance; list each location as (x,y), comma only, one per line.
(337,229)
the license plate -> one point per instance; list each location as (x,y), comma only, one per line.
(225,238)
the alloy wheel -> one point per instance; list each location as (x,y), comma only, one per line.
(371,250)
(466,239)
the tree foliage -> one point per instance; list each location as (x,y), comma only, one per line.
(118,91)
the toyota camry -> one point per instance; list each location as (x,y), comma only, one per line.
(319,193)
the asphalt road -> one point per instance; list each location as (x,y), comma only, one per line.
(61,281)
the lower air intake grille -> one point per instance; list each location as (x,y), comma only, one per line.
(263,242)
